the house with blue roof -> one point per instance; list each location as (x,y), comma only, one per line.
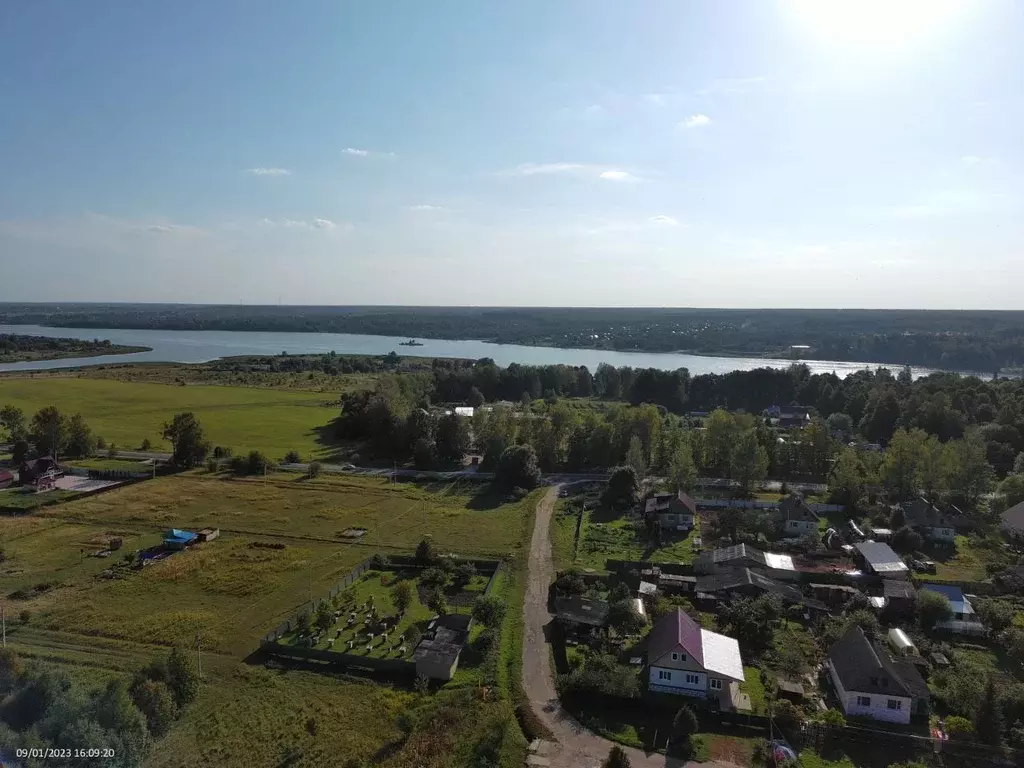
(965,620)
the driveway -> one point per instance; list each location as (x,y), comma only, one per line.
(577,747)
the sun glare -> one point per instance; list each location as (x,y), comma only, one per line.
(875,24)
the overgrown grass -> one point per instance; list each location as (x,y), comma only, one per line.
(966,564)
(754,688)
(604,537)
(563,534)
(126,413)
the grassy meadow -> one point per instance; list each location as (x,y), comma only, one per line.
(126,413)
(280,543)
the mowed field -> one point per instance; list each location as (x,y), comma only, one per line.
(126,413)
(279,545)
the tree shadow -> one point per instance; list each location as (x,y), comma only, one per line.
(487,498)
(338,449)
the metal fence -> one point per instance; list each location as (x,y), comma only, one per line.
(757,504)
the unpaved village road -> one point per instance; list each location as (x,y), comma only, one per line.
(577,747)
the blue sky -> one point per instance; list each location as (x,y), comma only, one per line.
(662,153)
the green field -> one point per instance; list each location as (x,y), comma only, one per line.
(280,545)
(604,537)
(126,413)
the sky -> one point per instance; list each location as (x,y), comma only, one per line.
(755,153)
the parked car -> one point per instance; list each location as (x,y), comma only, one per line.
(923,566)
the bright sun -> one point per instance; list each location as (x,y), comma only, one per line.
(875,24)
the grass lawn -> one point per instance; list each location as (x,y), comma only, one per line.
(754,688)
(117,465)
(563,534)
(464,518)
(13,500)
(604,537)
(125,413)
(965,565)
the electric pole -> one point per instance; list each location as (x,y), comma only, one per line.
(3,620)
(199,656)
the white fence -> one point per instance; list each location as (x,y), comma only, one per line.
(745,504)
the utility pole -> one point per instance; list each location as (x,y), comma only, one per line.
(199,656)
(3,620)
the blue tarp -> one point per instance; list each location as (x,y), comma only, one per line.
(179,536)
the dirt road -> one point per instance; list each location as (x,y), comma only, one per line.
(577,747)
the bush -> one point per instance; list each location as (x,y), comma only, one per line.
(617,758)
(182,678)
(212,465)
(489,611)
(684,727)
(293,457)
(146,445)
(315,468)
(906,540)
(517,468)
(959,728)
(433,578)
(571,583)
(155,701)
(932,608)
(380,562)
(25,616)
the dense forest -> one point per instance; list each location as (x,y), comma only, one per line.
(980,341)
(15,347)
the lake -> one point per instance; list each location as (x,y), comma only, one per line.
(203,346)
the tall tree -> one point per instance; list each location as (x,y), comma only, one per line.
(188,439)
(682,470)
(453,438)
(899,467)
(13,420)
(80,440)
(988,721)
(972,476)
(847,482)
(517,468)
(49,431)
(881,415)
(635,457)
(749,461)
(623,489)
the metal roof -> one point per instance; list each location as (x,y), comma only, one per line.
(881,557)
(955,595)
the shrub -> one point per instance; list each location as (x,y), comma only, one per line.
(402,595)
(212,465)
(684,727)
(315,468)
(617,758)
(571,583)
(25,616)
(183,680)
(433,577)
(292,457)
(146,445)
(489,610)
(379,562)
(906,540)
(959,728)
(932,608)
(155,701)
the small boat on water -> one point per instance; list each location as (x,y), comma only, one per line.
(410,343)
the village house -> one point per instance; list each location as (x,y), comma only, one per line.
(900,596)
(580,614)
(32,472)
(685,659)
(673,511)
(964,620)
(744,556)
(743,582)
(6,479)
(869,682)
(1013,521)
(926,519)
(880,560)
(796,517)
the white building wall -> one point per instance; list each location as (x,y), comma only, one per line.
(677,683)
(800,527)
(879,707)
(940,534)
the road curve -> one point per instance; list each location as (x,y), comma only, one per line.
(577,747)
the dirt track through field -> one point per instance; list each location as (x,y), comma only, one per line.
(577,747)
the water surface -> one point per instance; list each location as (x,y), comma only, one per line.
(203,346)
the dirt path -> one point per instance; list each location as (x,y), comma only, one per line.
(577,747)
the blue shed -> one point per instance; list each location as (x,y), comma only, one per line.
(178,539)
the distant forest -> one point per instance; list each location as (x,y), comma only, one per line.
(16,347)
(977,341)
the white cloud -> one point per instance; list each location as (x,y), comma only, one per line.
(696,121)
(617,176)
(663,220)
(426,207)
(535,169)
(325,224)
(366,153)
(270,172)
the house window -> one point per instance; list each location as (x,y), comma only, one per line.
(678,657)
(664,675)
(863,701)
(716,685)
(692,679)
(675,657)
(895,704)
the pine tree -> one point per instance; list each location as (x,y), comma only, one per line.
(988,722)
